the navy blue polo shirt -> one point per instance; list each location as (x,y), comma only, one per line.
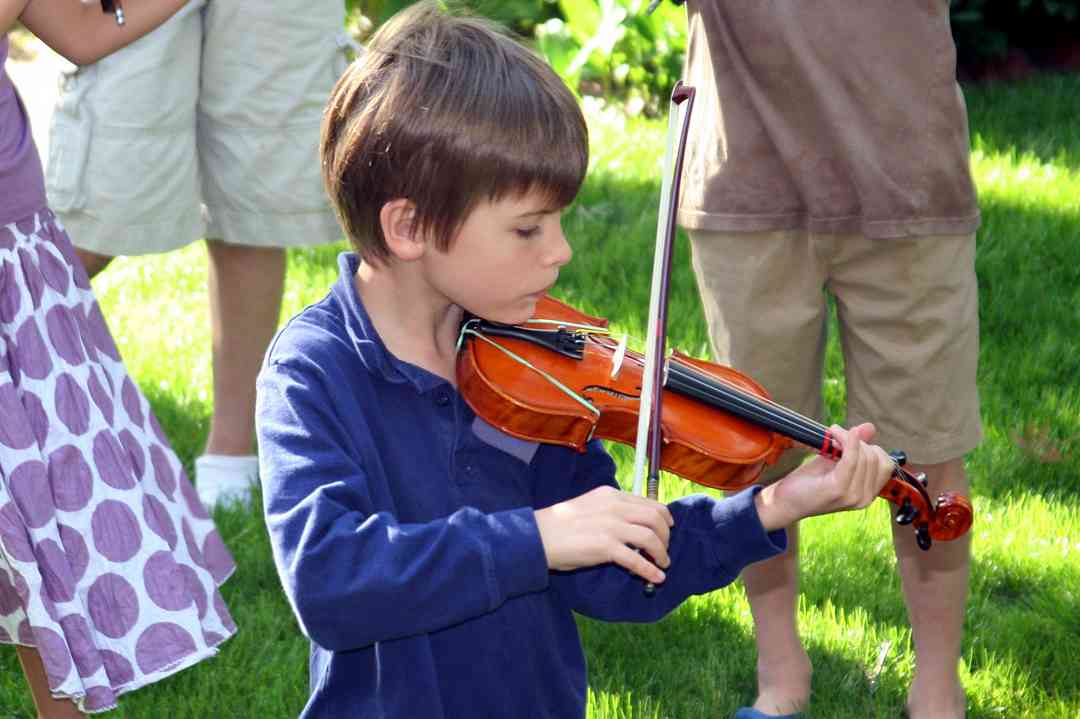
(403,532)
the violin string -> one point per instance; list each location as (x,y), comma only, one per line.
(769,408)
(785,419)
(776,416)
(782,416)
(747,406)
(529,365)
(777,413)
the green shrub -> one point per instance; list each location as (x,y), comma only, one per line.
(602,47)
(612,48)
(988,29)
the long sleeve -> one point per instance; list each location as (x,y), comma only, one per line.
(355,575)
(711,542)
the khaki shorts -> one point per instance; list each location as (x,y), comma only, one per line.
(206,127)
(909,329)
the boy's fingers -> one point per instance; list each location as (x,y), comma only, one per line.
(886,466)
(865,431)
(660,510)
(648,542)
(651,520)
(633,562)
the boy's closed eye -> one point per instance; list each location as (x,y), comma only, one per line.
(526,233)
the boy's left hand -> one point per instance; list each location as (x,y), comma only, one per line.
(822,486)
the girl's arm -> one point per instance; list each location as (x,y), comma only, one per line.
(83,33)
(9,12)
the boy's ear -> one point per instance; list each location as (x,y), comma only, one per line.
(403,238)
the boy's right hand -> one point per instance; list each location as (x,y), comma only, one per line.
(822,485)
(600,526)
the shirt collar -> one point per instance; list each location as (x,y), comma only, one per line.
(373,353)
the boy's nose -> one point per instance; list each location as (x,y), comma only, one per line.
(561,251)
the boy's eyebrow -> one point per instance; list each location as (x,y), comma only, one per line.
(534,213)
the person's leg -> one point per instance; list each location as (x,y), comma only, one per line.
(908,312)
(246,285)
(935,584)
(48,707)
(259,112)
(763,301)
(92,261)
(783,666)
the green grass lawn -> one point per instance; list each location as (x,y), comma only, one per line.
(1022,649)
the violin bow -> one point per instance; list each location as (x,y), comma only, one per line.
(648,443)
(648,432)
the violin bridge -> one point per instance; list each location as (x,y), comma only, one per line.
(617,358)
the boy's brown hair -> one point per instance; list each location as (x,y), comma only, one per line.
(446,111)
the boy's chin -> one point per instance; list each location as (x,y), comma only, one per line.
(515,315)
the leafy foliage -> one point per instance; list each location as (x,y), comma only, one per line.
(986,29)
(613,48)
(602,47)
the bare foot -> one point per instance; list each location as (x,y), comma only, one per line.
(936,700)
(784,683)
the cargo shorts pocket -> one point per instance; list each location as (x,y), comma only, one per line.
(69,142)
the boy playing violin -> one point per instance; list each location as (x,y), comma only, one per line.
(434,562)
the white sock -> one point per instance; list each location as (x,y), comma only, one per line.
(223,478)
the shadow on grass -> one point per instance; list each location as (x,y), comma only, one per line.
(1034,117)
(1006,599)
(698,663)
(1028,264)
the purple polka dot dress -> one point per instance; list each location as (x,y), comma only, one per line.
(109,564)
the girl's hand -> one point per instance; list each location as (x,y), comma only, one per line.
(822,486)
(600,526)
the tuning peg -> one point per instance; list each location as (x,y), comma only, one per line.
(922,537)
(899,456)
(907,513)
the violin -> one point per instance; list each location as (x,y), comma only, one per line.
(561,378)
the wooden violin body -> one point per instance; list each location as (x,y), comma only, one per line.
(701,444)
(562,379)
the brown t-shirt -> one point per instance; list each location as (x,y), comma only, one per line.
(830,115)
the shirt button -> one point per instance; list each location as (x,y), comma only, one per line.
(442,398)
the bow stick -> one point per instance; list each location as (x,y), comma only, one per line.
(648,431)
(648,442)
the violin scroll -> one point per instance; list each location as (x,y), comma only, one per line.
(952,516)
(945,519)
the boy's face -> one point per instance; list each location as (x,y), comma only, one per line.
(506,255)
